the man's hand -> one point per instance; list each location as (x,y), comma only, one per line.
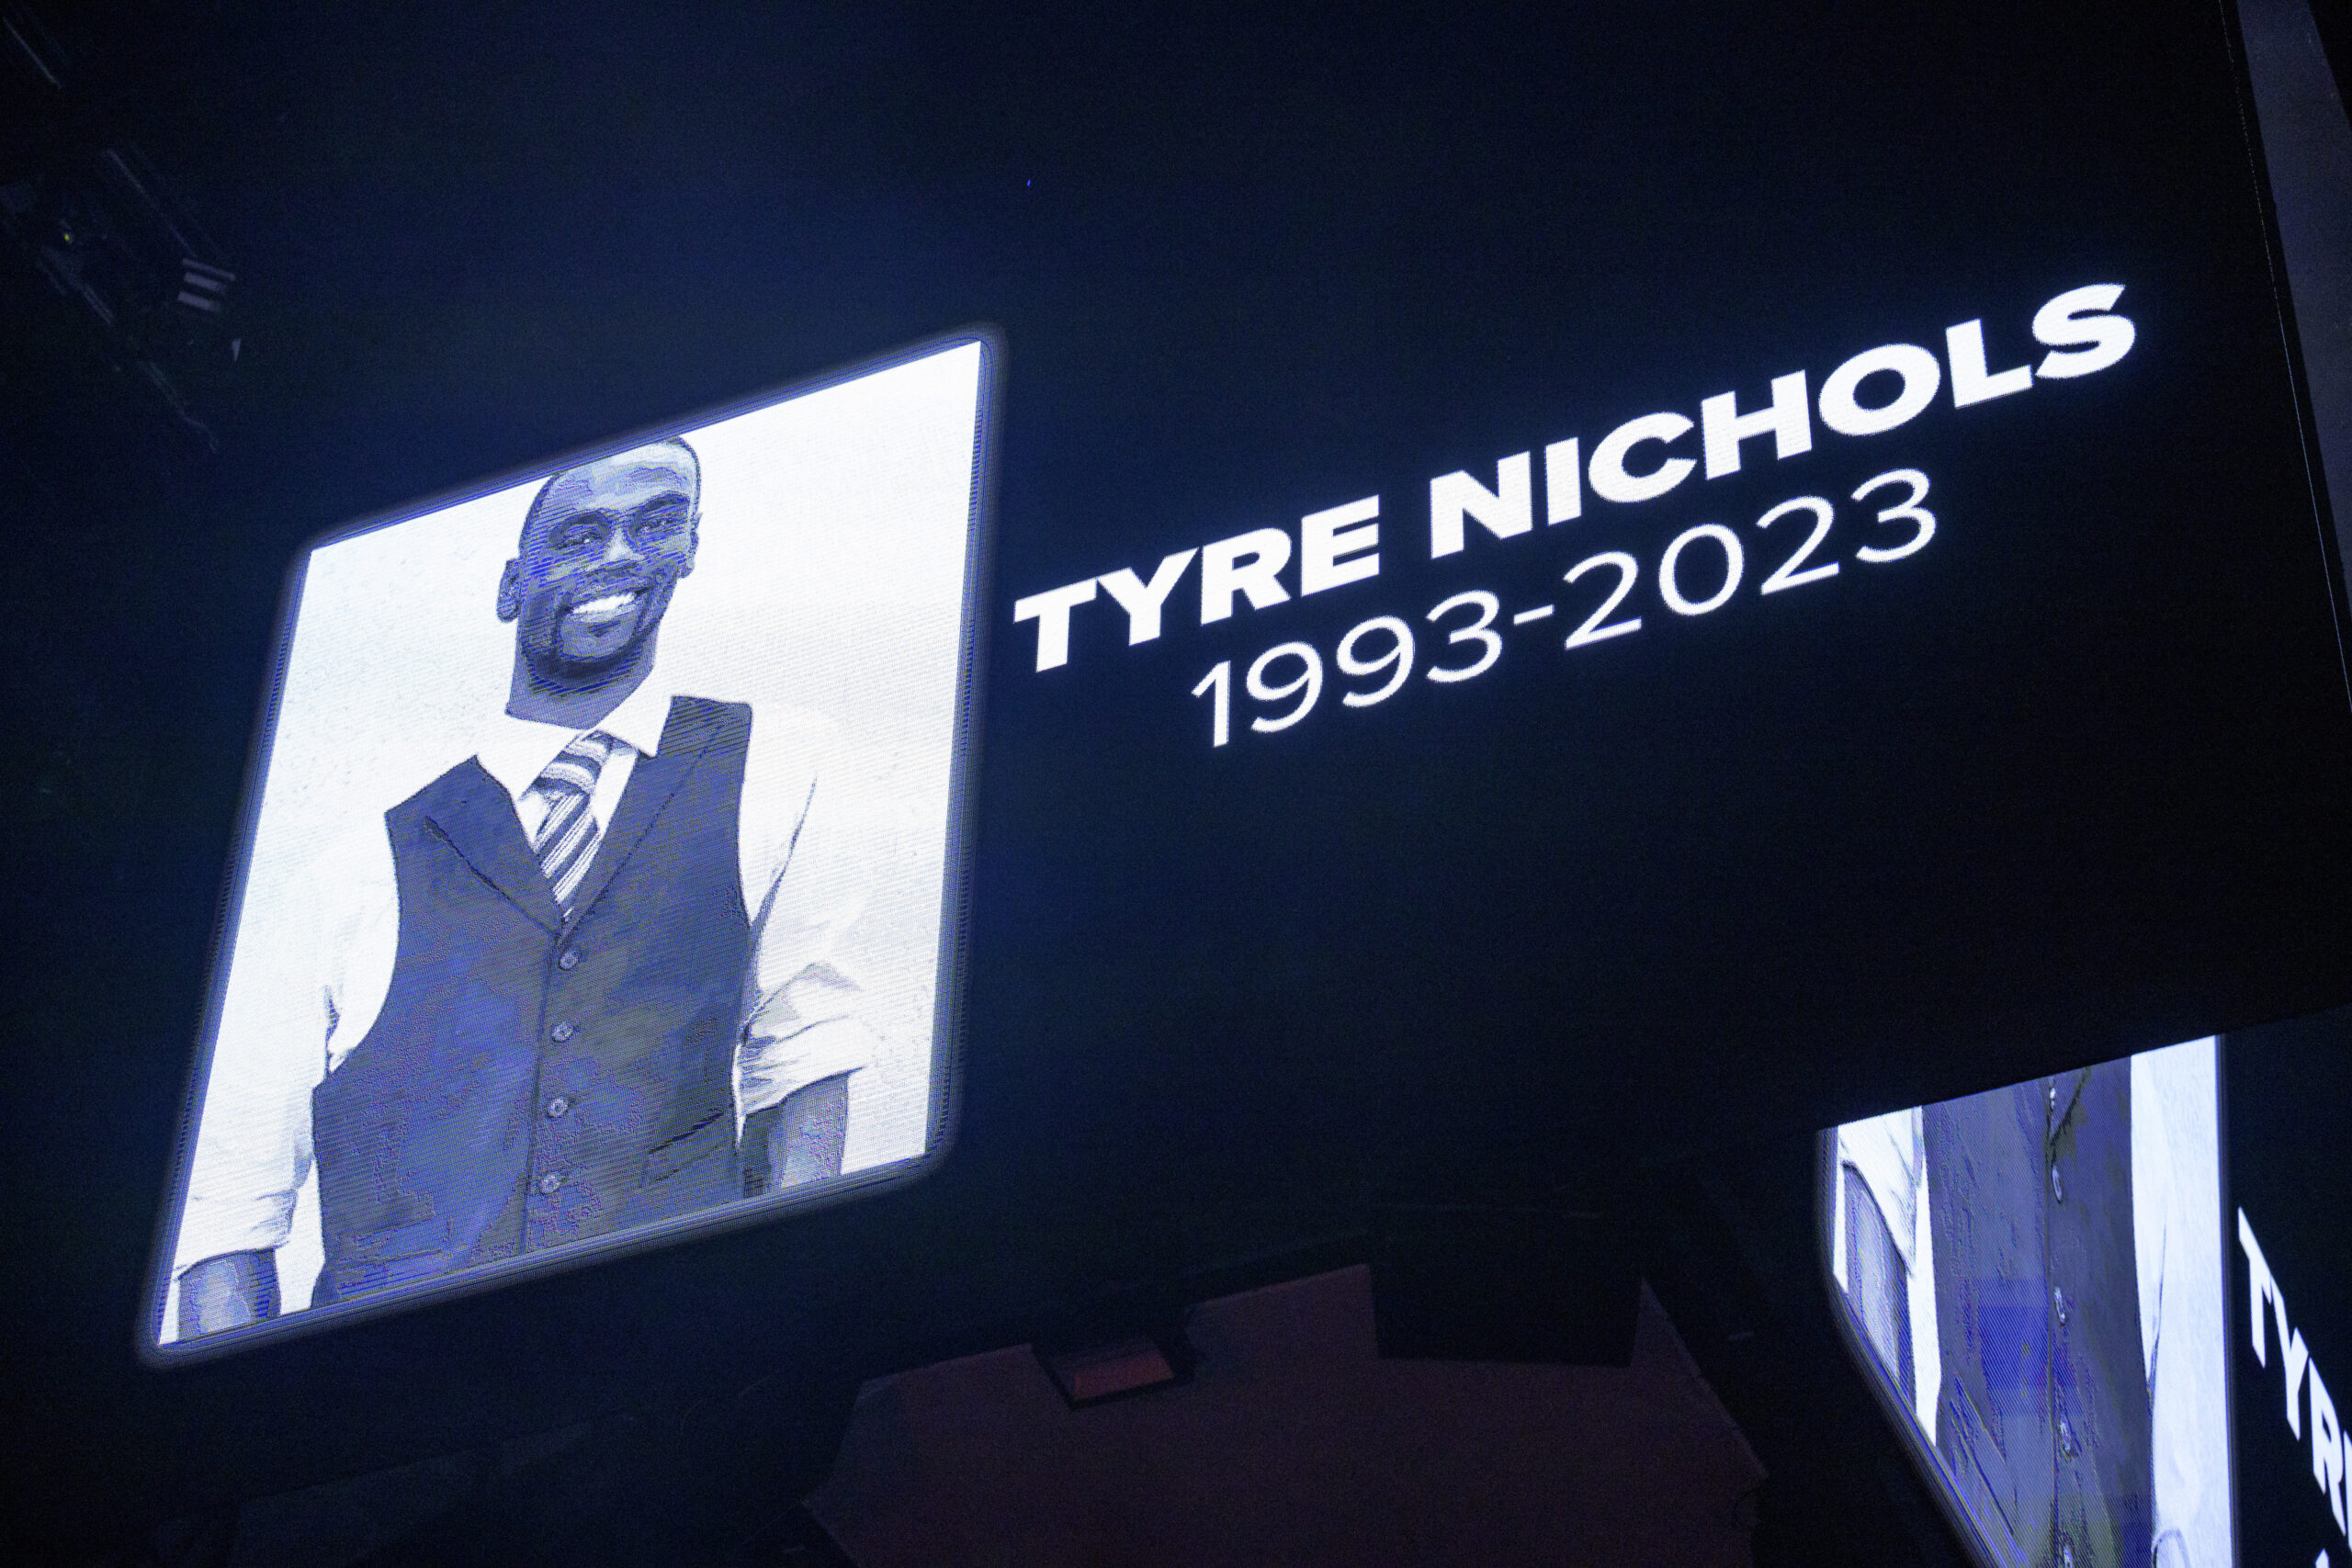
(228,1291)
(798,1141)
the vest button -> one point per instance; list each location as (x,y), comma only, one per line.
(569,958)
(551,1183)
(560,1033)
(2057,1182)
(557,1106)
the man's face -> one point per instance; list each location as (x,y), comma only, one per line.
(598,563)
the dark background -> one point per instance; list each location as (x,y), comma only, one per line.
(2062,787)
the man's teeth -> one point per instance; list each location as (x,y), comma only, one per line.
(606,608)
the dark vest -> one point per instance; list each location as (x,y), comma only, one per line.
(2044,1421)
(533,1081)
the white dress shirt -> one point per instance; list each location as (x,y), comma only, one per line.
(803,884)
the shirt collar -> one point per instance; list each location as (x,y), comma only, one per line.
(516,751)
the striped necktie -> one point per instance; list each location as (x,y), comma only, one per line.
(566,841)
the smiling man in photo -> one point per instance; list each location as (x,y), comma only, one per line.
(581,982)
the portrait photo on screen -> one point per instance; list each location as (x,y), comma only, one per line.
(2034,1277)
(601,873)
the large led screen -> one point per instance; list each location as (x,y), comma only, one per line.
(2103,1307)
(2034,1278)
(603,867)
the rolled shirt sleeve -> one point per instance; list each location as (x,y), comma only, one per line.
(307,977)
(806,854)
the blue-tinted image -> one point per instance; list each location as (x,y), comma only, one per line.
(2036,1272)
(599,873)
